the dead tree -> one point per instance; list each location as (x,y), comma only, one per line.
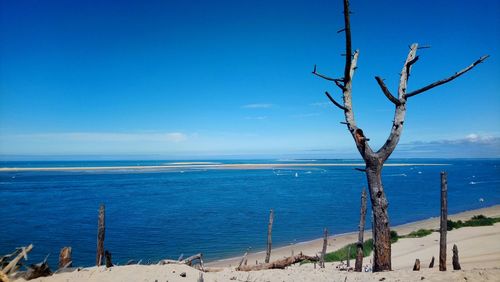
(269,236)
(444,222)
(375,160)
(101,228)
(358,266)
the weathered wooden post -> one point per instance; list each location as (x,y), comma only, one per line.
(431,265)
(358,266)
(323,251)
(101,227)
(444,221)
(107,255)
(416,266)
(65,257)
(349,256)
(269,236)
(456,263)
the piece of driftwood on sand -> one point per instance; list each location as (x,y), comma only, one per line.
(278,264)
(188,261)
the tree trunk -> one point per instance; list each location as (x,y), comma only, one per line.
(381,231)
(444,222)
(269,236)
(358,266)
(100,237)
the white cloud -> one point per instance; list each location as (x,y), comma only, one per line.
(256,118)
(257,106)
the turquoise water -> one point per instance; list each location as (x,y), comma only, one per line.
(156,214)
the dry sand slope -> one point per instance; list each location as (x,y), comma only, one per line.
(479,249)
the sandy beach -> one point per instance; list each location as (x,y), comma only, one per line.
(478,248)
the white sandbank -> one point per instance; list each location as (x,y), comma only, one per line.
(205,166)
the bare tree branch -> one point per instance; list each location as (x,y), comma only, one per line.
(443,81)
(386,91)
(321,75)
(335,102)
(400,112)
(338,81)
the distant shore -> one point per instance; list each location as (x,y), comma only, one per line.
(207,166)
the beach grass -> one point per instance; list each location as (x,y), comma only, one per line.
(418,234)
(477,220)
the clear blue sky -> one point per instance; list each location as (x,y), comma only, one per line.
(220,78)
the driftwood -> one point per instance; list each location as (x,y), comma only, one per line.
(21,253)
(323,251)
(243,259)
(38,270)
(416,266)
(358,266)
(101,228)
(279,264)
(431,265)
(444,222)
(188,261)
(3,277)
(65,257)
(456,263)
(269,236)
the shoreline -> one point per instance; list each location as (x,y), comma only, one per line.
(208,166)
(337,241)
(478,248)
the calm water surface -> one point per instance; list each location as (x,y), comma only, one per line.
(152,215)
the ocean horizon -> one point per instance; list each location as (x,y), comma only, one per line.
(152,214)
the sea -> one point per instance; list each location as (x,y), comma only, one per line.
(153,214)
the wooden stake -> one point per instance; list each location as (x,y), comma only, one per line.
(456,263)
(358,266)
(101,228)
(416,266)
(107,255)
(444,219)
(65,257)
(431,265)
(323,251)
(269,236)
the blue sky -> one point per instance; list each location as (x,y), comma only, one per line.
(224,78)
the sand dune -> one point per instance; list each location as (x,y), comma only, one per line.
(479,250)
